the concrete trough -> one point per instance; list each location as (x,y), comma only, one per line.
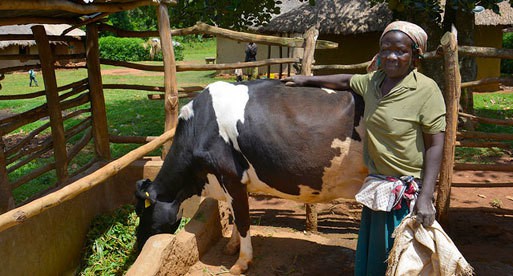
(167,254)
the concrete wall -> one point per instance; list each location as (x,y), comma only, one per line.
(51,243)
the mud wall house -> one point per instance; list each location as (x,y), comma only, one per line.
(488,33)
(357,26)
(28,47)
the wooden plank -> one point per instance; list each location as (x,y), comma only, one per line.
(40,205)
(6,199)
(74,7)
(483,167)
(36,20)
(482,144)
(131,139)
(53,102)
(101,131)
(452,98)
(306,69)
(482,184)
(358,66)
(4,37)
(170,83)
(202,28)
(485,135)
(13,122)
(200,67)
(32,174)
(309,51)
(507,122)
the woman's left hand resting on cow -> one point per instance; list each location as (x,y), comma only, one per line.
(405,122)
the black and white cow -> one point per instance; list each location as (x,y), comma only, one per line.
(299,143)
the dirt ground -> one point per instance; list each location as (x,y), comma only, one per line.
(481,225)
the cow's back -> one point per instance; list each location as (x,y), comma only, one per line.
(300,143)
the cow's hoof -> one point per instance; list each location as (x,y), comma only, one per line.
(238,269)
(230,249)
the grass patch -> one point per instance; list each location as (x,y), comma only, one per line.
(496,105)
(109,248)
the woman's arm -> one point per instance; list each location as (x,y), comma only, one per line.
(337,82)
(423,209)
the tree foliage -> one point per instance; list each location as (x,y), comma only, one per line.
(232,14)
(404,9)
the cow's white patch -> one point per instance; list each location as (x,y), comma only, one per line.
(186,112)
(246,250)
(329,91)
(345,175)
(229,102)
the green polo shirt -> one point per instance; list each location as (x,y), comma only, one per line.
(394,124)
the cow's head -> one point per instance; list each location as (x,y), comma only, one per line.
(155,216)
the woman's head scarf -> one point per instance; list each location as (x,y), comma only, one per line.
(413,31)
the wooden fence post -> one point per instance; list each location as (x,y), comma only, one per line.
(170,84)
(99,114)
(53,102)
(309,51)
(452,97)
(306,69)
(6,199)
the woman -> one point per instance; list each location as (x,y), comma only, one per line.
(405,123)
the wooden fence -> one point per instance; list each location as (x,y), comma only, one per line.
(84,101)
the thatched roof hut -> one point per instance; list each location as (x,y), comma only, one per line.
(489,18)
(344,17)
(339,17)
(51,29)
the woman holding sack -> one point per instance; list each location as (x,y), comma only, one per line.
(405,123)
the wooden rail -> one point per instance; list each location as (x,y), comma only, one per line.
(22,213)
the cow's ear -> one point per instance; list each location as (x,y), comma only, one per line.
(140,188)
(143,193)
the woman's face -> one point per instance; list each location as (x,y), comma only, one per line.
(396,54)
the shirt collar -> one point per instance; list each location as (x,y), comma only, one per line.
(409,82)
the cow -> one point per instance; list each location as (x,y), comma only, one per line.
(298,143)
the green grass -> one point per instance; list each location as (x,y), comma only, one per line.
(109,247)
(129,112)
(497,105)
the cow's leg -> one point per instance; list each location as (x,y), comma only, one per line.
(240,207)
(233,244)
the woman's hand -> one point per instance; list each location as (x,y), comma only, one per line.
(424,211)
(297,80)
(336,82)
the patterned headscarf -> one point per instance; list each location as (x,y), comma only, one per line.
(413,31)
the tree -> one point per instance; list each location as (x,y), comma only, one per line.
(231,14)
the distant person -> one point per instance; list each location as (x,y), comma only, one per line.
(32,76)
(251,52)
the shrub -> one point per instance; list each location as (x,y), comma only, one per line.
(507,43)
(123,49)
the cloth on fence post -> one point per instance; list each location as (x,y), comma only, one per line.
(424,251)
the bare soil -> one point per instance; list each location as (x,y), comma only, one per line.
(481,225)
